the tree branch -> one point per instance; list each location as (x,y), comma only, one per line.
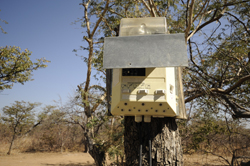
(189,19)
(221,91)
(213,18)
(112,11)
(85,5)
(206,2)
(246,29)
(155,8)
(147,6)
(97,87)
(100,18)
(98,103)
(234,107)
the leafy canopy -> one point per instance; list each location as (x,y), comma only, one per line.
(19,116)
(16,66)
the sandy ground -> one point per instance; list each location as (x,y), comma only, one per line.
(84,159)
(47,159)
(204,160)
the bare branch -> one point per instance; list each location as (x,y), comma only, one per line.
(100,18)
(106,23)
(151,8)
(221,91)
(112,11)
(155,8)
(206,2)
(234,3)
(234,107)
(237,84)
(199,68)
(148,7)
(246,29)
(213,18)
(98,103)
(97,87)
(189,18)
(91,34)
(86,16)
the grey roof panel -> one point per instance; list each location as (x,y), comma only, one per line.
(161,50)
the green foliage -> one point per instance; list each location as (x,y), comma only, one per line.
(203,130)
(16,66)
(209,132)
(52,131)
(111,138)
(19,116)
(1,26)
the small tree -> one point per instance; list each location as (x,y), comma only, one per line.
(55,131)
(19,117)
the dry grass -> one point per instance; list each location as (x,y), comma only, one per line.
(4,146)
(47,159)
(84,159)
(19,145)
(204,160)
(24,144)
(29,144)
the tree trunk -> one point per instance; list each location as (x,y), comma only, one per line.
(164,136)
(98,155)
(12,142)
(94,150)
(85,146)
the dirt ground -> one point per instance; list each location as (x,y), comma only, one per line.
(204,160)
(47,159)
(83,159)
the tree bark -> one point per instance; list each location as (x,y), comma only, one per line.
(94,150)
(165,141)
(98,155)
(12,142)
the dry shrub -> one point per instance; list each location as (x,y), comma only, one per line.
(228,139)
(66,138)
(55,140)
(4,146)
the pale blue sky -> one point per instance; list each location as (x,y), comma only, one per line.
(44,27)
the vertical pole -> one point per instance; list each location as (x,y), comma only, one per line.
(149,144)
(140,138)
